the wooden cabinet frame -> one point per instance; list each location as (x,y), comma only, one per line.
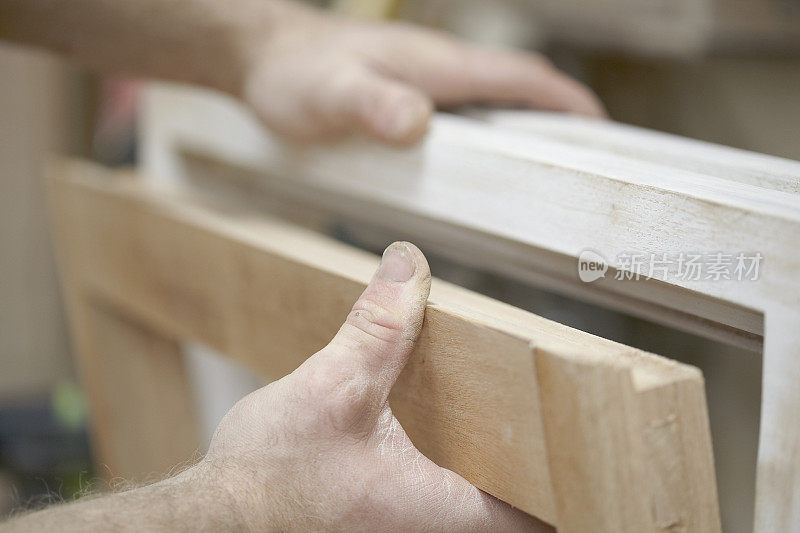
(519,195)
(577,430)
(523,194)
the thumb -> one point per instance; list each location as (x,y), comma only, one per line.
(379,333)
(372,346)
(389,110)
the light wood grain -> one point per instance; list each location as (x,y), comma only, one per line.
(521,205)
(269,294)
(149,425)
(672,151)
(621,456)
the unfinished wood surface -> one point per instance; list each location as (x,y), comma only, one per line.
(148,417)
(672,151)
(521,206)
(605,426)
(778,501)
(270,294)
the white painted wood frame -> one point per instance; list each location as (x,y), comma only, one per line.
(523,194)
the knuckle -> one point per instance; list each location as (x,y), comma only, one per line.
(376,321)
(381,100)
(376,101)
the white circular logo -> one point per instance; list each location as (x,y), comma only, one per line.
(591,266)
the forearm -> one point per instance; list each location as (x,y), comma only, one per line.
(190,501)
(206,42)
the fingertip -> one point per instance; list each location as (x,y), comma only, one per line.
(589,105)
(379,332)
(590,110)
(553,90)
(575,96)
(415,280)
(422,270)
(403,263)
(398,264)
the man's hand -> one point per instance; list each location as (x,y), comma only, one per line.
(307,73)
(318,450)
(321,450)
(318,76)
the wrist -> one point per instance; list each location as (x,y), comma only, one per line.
(240,494)
(214,499)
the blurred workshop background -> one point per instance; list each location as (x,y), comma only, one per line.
(726,71)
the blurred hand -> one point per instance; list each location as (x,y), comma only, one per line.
(320,75)
(321,450)
(307,73)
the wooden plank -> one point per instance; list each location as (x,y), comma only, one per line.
(139,373)
(529,203)
(778,497)
(618,455)
(269,294)
(671,151)
(528,206)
